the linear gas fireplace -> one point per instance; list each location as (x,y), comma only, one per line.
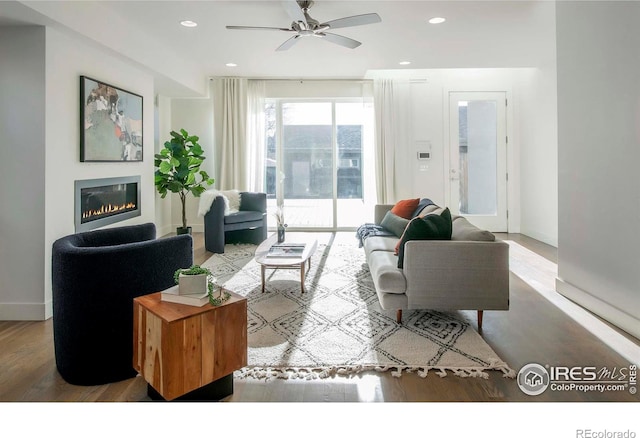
(105,201)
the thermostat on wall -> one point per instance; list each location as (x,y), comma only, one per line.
(424,149)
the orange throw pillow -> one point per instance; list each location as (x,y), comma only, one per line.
(405,208)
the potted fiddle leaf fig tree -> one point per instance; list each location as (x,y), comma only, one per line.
(178,171)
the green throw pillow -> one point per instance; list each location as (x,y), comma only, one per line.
(430,227)
(394,223)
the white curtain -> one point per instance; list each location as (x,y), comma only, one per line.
(239,123)
(391,105)
(256,134)
(234,172)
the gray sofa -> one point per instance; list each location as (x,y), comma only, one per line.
(468,272)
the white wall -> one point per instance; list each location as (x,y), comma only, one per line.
(599,151)
(22,172)
(535,93)
(162,126)
(195,115)
(531,127)
(44,185)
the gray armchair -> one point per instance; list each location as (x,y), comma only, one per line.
(248,225)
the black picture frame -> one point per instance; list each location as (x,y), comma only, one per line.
(111,123)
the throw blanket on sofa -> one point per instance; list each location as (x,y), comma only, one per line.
(231,201)
(368,230)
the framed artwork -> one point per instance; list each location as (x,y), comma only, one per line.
(111,122)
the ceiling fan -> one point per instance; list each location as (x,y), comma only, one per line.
(305,26)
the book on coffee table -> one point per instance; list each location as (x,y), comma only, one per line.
(286,250)
(171,295)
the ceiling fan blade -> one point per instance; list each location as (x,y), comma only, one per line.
(288,44)
(340,40)
(356,20)
(259,28)
(294,11)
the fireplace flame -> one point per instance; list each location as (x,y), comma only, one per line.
(108,209)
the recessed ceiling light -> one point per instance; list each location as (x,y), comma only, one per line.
(404,62)
(188,23)
(437,20)
(231,64)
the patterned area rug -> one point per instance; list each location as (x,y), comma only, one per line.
(337,325)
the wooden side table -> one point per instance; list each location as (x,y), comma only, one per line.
(188,352)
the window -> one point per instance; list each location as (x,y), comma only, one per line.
(315,161)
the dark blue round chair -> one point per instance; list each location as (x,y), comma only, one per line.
(96,275)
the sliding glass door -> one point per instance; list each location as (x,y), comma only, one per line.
(307,163)
(315,162)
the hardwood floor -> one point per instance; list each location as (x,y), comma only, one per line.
(533,330)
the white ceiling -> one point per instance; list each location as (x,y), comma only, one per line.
(476,34)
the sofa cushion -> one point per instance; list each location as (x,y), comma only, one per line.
(424,202)
(380,243)
(386,276)
(427,210)
(243,216)
(394,223)
(430,227)
(405,208)
(462,229)
(430,209)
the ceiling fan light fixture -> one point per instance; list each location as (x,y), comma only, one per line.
(188,23)
(303,25)
(437,20)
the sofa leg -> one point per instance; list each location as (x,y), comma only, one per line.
(480,314)
(399,316)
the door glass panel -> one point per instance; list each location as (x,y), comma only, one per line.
(351,118)
(307,164)
(270,161)
(478,157)
(270,155)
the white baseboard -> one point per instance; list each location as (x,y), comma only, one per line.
(197,228)
(163,231)
(544,238)
(168,229)
(26,311)
(615,316)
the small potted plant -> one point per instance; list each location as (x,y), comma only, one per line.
(281,225)
(178,171)
(199,280)
(193,280)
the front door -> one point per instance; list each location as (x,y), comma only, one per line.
(478,158)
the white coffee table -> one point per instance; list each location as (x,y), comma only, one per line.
(302,263)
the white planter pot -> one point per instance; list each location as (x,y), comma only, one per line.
(192,284)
